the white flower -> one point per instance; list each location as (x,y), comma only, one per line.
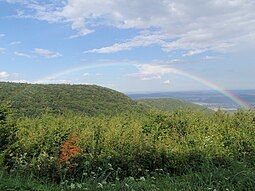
(131,178)
(142,178)
(100,185)
(72,186)
(79,185)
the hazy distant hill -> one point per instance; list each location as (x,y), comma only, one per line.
(35,99)
(208,98)
(168,104)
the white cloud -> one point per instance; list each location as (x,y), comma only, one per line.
(209,57)
(86,74)
(139,41)
(12,77)
(2,50)
(152,71)
(2,35)
(4,75)
(167,82)
(194,27)
(46,53)
(16,1)
(20,81)
(22,54)
(54,81)
(15,43)
(195,52)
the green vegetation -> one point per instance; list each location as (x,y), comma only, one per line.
(168,104)
(180,146)
(158,150)
(216,178)
(36,99)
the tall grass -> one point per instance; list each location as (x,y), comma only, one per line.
(198,148)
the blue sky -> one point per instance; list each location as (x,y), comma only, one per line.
(128,45)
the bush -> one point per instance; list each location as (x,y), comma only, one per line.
(7,135)
(102,148)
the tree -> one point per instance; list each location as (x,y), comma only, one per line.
(7,128)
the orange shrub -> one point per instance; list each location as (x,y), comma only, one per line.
(68,150)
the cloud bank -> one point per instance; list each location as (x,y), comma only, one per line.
(46,53)
(193,27)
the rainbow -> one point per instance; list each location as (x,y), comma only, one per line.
(236,99)
(72,70)
(216,87)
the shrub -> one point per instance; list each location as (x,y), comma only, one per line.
(112,148)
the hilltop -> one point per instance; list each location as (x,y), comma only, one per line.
(35,99)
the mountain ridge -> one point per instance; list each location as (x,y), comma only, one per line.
(35,99)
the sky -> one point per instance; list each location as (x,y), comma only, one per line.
(129,45)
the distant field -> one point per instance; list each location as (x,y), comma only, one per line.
(168,104)
(210,98)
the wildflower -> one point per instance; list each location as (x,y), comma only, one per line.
(142,178)
(87,163)
(131,178)
(100,185)
(111,168)
(72,186)
(109,157)
(79,185)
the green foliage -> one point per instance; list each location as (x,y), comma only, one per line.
(14,182)
(114,148)
(36,99)
(7,128)
(236,177)
(101,141)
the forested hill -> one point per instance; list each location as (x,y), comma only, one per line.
(35,99)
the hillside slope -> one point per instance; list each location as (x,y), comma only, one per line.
(35,99)
(169,104)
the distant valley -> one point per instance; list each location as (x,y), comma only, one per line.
(211,99)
